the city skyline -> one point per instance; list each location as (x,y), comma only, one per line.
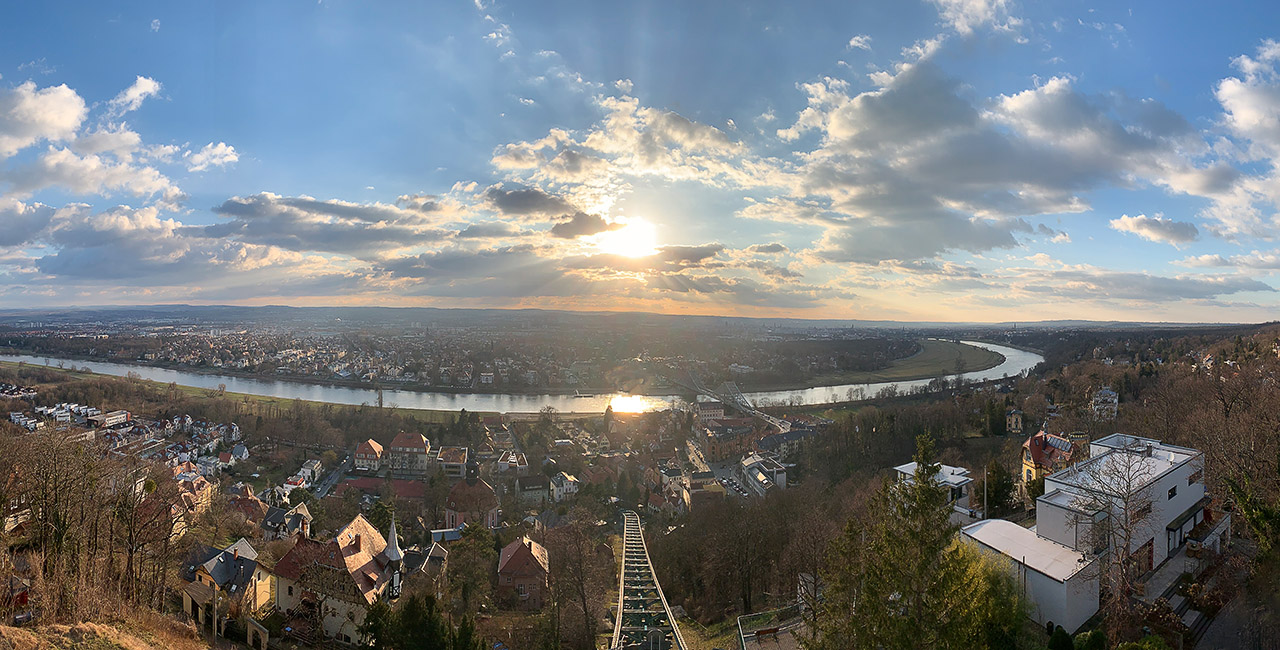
(951,160)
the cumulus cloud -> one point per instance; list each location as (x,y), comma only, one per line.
(526,201)
(29,115)
(131,98)
(861,42)
(23,222)
(212,155)
(966,15)
(305,224)
(91,174)
(581,224)
(155,24)
(1157,229)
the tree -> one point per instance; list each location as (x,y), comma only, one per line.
(907,595)
(300,495)
(378,629)
(472,561)
(995,490)
(580,579)
(1060,640)
(381,513)
(1035,488)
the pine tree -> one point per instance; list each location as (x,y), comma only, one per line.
(902,581)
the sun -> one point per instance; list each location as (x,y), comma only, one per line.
(637,238)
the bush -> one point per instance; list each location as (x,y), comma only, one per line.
(1095,640)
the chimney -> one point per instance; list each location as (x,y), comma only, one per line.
(357,543)
(237,554)
(305,526)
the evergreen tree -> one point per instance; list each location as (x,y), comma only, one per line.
(377,632)
(902,581)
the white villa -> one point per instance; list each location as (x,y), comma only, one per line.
(1157,488)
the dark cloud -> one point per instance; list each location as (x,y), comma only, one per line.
(767,249)
(305,224)
(526,201)
(491,230)
(581,224)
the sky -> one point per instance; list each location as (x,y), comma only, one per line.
(940,160)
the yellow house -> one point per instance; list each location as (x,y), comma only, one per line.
(1044,453)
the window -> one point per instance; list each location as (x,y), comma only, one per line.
(1195,477)
(1028,475)
(1173,492)
(1140,514)
(290,590)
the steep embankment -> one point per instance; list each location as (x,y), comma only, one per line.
(164,633)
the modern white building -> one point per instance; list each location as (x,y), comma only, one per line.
(955,479)
(1134,492)
(1058,580)
(762,473)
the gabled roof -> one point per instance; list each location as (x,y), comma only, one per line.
(414,441)
(370,447)
(356,552)
(523,556)
(471,495)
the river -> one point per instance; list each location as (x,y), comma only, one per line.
(1015,362)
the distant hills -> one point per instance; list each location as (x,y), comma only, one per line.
(433,316)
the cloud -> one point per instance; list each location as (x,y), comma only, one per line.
(861,42)
(966,15)
(131,98)
(91,174)
(768,249)
(28,116)
(1157,229)
(155,24)
(22,222)
(490,230)
(624,86)
(526,201)
(1254,261)
(581,224)
(305,224)
(212,155)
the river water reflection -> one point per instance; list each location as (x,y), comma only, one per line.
(1015,362)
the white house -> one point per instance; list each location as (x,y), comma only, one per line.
(562,486)
(1059,581)
(1132,491)
(762,473)
(955,479)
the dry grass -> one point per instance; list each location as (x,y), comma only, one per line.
(145,632)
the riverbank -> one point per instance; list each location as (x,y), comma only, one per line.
(934,359)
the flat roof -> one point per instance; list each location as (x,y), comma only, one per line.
(948,475)
(1141,461)
(1023,546)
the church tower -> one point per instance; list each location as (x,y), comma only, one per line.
(395,559)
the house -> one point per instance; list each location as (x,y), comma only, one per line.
(533,490)
(522,574)
(563,486)
(453,461)
(1013,422)
(955,479)
(409,454)
(1106,404)
(1136,497)
(311,471)
(709,409)
(224,584)
(1044,453)
(336,581)
(762,473)
(368,457)
(512,463)
(240,452)
(281,523)
(726,438)
(471,501)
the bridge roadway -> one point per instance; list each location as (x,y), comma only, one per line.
(729,394)
(644,620)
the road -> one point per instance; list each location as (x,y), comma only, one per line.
(331,479)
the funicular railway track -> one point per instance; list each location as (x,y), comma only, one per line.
(644,620)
